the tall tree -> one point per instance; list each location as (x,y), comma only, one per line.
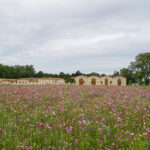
(141,67)
(39,74)
(61,75)
(78,73)
(125,72)
(93,74)
(102,75)
(116,73)
(29,71)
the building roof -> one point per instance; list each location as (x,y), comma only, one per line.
(51,78)
(98,77)
(30,79)
(9,80)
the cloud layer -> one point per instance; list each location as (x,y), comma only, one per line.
(66,35)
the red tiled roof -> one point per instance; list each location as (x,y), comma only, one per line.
(51,78)
(29,79)
(9,80)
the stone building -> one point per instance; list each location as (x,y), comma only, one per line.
(52,81)
(34,81)
(80,80)
(105,80)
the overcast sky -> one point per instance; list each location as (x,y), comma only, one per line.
(69,35)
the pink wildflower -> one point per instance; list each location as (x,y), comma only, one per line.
(84,121)
(144,133)
(79,122)
(20,140)
(76,141)
(113,144)
(102,120)
(26,140)
(30,147)
(49,127)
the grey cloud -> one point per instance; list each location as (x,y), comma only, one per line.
(65,35)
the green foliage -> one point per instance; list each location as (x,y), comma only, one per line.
(69,80)
(125,72)
(16,71)
(116,73)
(93,74)
(110,82)
(39,74)
(102,75)
(139,70)
(78,73)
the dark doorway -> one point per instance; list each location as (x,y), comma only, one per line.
(106,81)
(119,81)
(93,82)
(81,81)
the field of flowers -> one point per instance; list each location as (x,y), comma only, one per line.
(74,118)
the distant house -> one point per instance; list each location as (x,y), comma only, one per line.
(8,81)
(105,80)
(34,81)
(52,81)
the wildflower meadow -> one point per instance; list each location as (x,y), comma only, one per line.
(74,117)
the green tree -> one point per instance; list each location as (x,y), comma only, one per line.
(102,75)
(61,75)
(141,67)
(29,71)
(78,73)
(116,73)
(127,73)
(93,74)
(39,74)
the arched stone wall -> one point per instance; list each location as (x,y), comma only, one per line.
(105,80)
(80,80)
(93,80)
(119,80)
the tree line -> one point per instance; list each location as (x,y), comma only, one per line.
(138,72)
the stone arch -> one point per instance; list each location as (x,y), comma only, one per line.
(81,81)
(106,81)
(93,81)
(119,81)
